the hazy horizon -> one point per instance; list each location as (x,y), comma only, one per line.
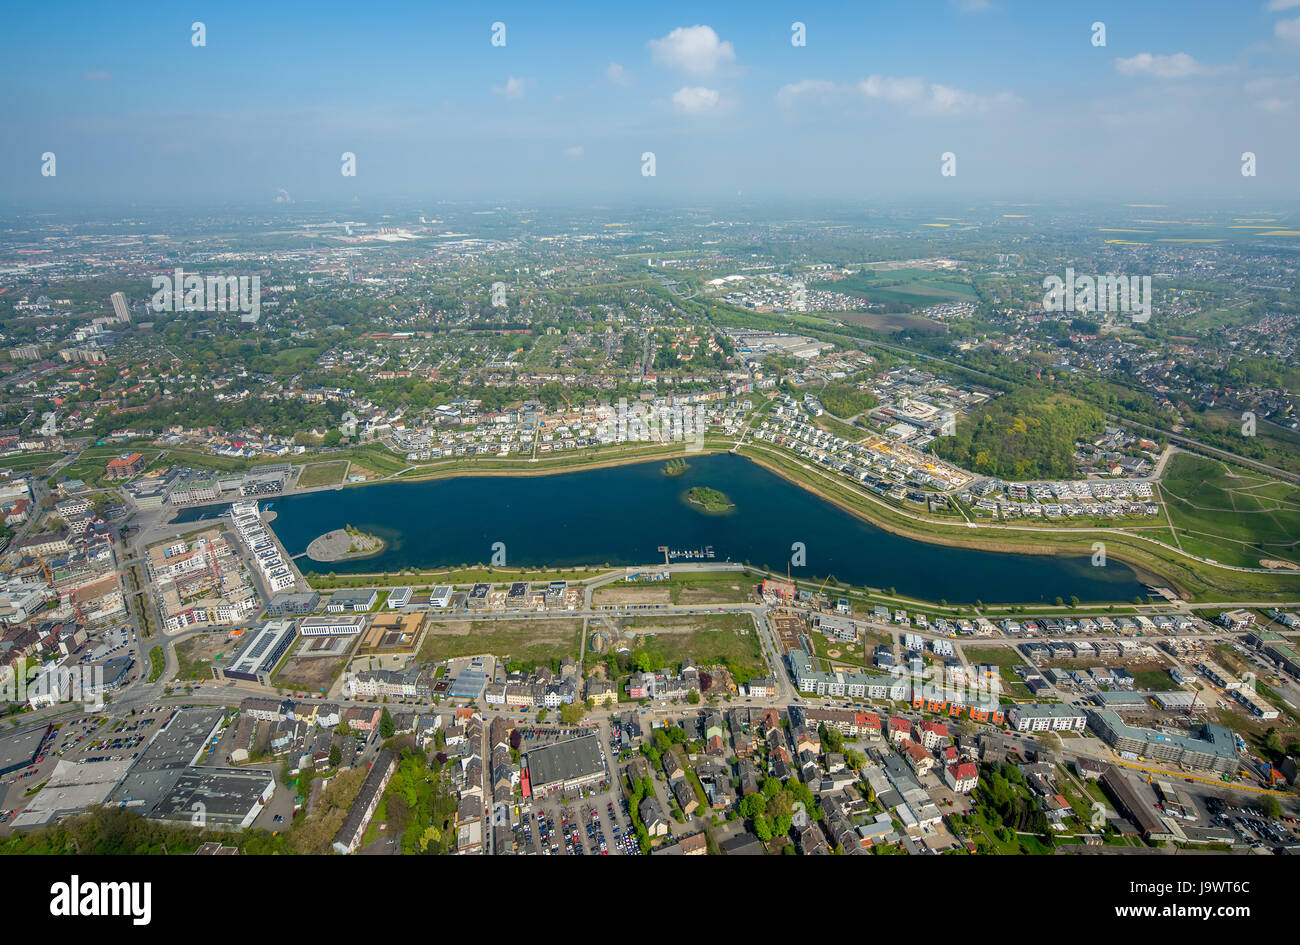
(563,112)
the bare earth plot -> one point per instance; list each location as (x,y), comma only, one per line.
(195,655)
(615,596)
(310,673)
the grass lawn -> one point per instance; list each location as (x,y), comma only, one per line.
(29,462)
(321,474)
(1231,514)
(524,642)
(195,655)
(729,639)
(157,663)
(1006,659)
(1156,680)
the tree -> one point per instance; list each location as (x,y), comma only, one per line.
(386,726)
(752,806)
(336,756)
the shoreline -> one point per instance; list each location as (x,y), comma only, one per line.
(1149,565)
(325,549)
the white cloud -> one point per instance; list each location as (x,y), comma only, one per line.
(514,88)
(694,49)
(931,97)
(576,151)
(914,94)
(792,94)
(1287,30)
(1177,66)
(617,74)
(1275,6)
(911,93)
(696,100)
(1274,94)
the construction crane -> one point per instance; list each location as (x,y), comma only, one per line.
(216,565)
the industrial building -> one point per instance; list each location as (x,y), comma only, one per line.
(229,798)
(1215,750)
(332,626)
(1131,801)
(564,766)
(20,749)
(257,659)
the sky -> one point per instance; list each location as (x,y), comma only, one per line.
(562,111)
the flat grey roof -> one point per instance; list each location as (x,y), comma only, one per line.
(564,761)
(162,763)
(18,750)
(227,794)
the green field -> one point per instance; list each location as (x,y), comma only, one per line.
(526,643)
(1006,658)
(914,287)
(90,466)
(376,459)
(29,462)
(1156,680)
(729,639)
(321,474)
(1231,514)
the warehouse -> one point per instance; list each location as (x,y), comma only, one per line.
(258,658)
(20,750)
(564,766)
(1132,801)
(226,798)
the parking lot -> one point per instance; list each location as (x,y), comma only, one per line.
(593,826)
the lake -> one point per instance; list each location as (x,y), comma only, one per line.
(621,516)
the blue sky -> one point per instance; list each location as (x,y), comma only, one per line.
(563,111)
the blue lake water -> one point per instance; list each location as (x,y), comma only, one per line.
(621,515)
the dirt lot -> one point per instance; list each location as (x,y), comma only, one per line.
(632,595)
(712,592)
(310,673)
(195,655)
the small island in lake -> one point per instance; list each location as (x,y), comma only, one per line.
(345,544)
(674,468)
(711,500)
